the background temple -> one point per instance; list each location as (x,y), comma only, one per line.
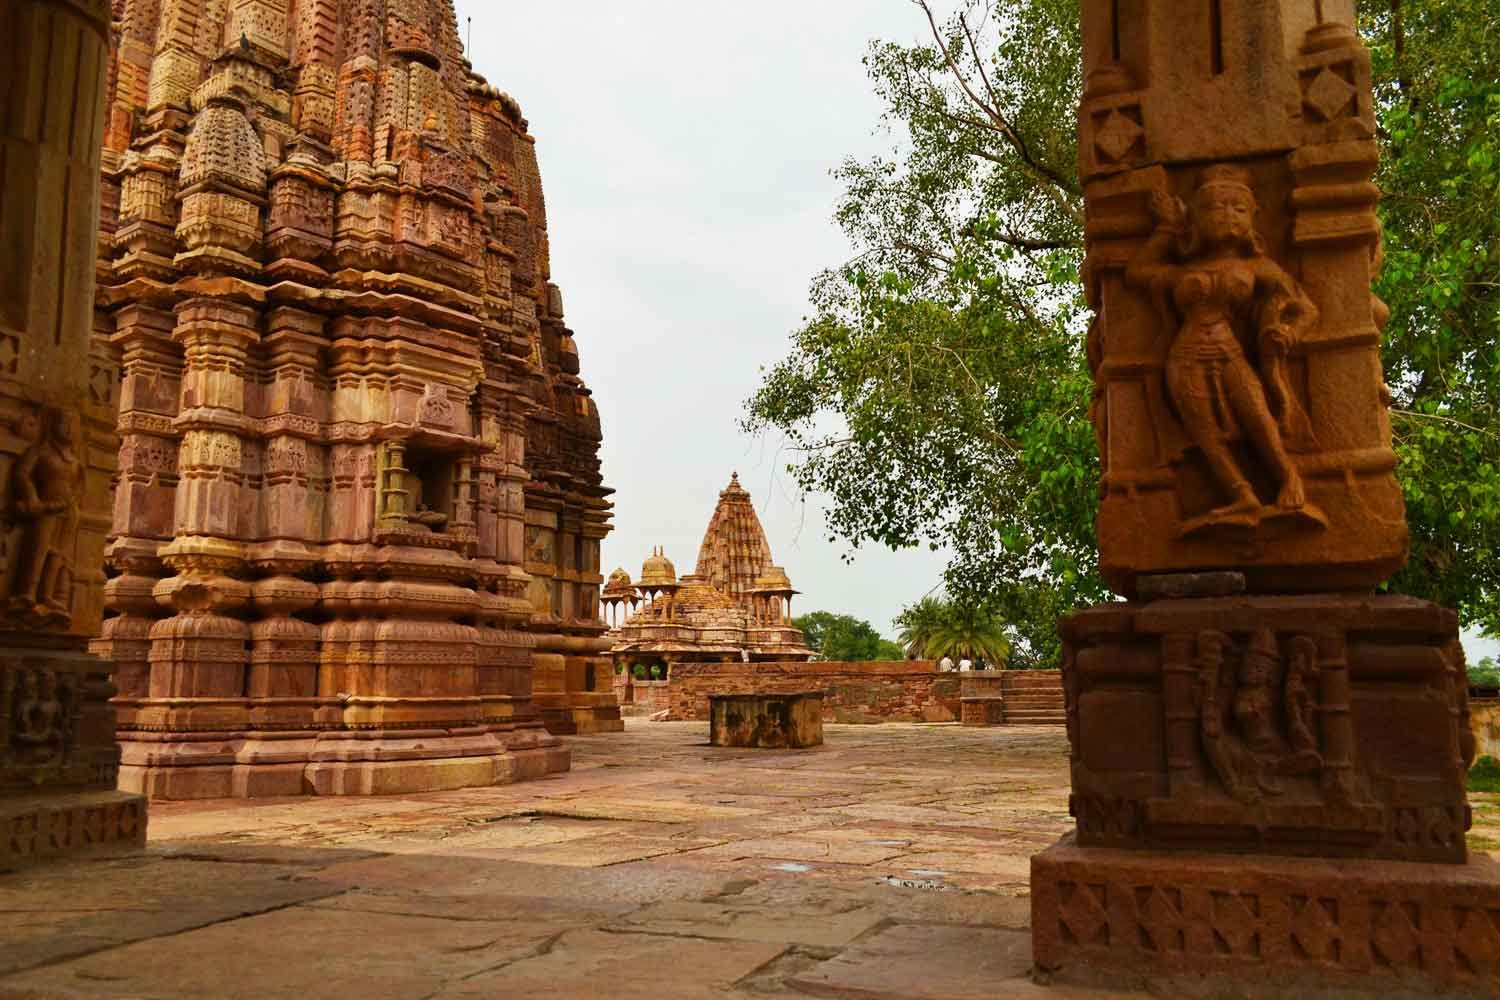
(736,606)
(359,506)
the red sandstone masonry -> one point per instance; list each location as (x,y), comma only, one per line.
(891,691)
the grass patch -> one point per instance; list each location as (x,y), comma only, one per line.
(1479,842)
(1484,776)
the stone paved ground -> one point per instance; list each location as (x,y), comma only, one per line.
(890,863)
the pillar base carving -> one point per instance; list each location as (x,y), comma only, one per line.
(1196,924)
(1329,725)
(58,759)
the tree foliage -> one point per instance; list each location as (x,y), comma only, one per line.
(934,628)
(937,393)
(1437,70)
(845,638)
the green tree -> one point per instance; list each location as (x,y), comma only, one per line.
(934,628)
(919,624)
(1437,72)
(845,638)
(938,392)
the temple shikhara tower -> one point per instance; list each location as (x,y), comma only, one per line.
(356,529)
(736,606)
(1255,707)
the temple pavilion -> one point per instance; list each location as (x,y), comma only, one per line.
(737,605)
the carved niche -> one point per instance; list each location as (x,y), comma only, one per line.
(40,710)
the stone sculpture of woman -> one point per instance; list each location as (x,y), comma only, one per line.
(46,486)
(1207,269)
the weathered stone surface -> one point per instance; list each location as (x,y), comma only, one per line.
(1295,725)
(1231,241)
(357,524)
(1227,152)
(1166,586)
(767,721)
(891,826)
(64,911)
(928,962)
(1266,927)
(895,690)
(58,756)
(68,821)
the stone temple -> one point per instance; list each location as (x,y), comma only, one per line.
(356,528)
(736,606)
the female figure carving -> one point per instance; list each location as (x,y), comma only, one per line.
(1208,272)
(46,485)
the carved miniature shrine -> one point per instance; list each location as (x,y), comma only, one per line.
(737,606)
(1254,696)
(58,759)
(358,511)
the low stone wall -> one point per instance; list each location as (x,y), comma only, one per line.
(895,691)
(1484,721)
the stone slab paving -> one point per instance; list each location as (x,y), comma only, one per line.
(891,862)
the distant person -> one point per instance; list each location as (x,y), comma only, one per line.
(744,656)
(945,665)
(965,665)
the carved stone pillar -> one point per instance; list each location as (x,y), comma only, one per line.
(1255,708)
(58,757)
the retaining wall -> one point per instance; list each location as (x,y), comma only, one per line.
(894,691)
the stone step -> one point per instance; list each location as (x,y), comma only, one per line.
(1035,718)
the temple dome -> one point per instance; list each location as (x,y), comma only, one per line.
(619,584)
(658,571)
(774,580)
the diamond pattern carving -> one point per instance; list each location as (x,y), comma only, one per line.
(1159,913)
(1315,928)
(1117,135)
(1396,933)
(1477,942)
(1236,924)
(1082,914)
(1329,94)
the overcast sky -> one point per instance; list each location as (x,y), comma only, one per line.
(685,152)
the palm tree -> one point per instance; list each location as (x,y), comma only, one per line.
(974,633)
(934,628)
(919,625)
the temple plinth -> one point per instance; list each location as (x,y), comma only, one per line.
(1268,758)
(358,512)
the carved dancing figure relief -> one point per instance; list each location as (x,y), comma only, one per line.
(1259,721)
(46,484)
(1208,272)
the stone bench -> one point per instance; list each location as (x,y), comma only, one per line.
(768,721)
